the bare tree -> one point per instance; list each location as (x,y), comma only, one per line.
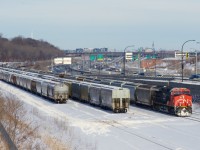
(24,133)
(14,120)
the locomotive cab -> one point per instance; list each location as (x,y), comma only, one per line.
(181,99)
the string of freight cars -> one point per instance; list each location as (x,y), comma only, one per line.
(109,97)
(171,100)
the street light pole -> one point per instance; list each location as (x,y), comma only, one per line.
(196,64)
(139,60)
(182,55)
(155,63)
(196,71)
(125,57)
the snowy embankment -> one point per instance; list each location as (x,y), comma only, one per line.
(86,127)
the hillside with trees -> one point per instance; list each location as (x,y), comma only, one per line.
(26,49)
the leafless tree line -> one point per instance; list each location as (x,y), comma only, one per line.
(26,49)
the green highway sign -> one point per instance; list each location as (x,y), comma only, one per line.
(134,57)
(100,57)
(148,56)
(92,57)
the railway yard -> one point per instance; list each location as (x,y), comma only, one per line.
(139,128)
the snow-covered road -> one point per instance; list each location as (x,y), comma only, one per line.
(138,129)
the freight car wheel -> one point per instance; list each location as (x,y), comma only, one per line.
(125,110)
(116,110)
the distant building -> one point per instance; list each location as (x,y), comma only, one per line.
(148,50)
(148,63)
(79,50)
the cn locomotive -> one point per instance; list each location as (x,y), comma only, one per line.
(177,101)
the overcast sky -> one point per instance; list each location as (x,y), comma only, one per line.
(70,24)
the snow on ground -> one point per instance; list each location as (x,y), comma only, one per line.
(138,129)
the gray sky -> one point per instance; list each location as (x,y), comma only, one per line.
(70,24)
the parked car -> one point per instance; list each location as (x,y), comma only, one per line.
(194,76)
(141,74)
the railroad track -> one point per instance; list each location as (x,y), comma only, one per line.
(193,118)
(137,134)
(196,113)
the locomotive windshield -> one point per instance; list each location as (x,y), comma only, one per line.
(181,92)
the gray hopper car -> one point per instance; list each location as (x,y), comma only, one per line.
(143,94)
(115,98)
(85,92)
(76,90)
(95,95)
(132,87)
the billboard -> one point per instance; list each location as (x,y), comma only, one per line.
(129,56)
(67,60)
(58,61)
(63,60)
